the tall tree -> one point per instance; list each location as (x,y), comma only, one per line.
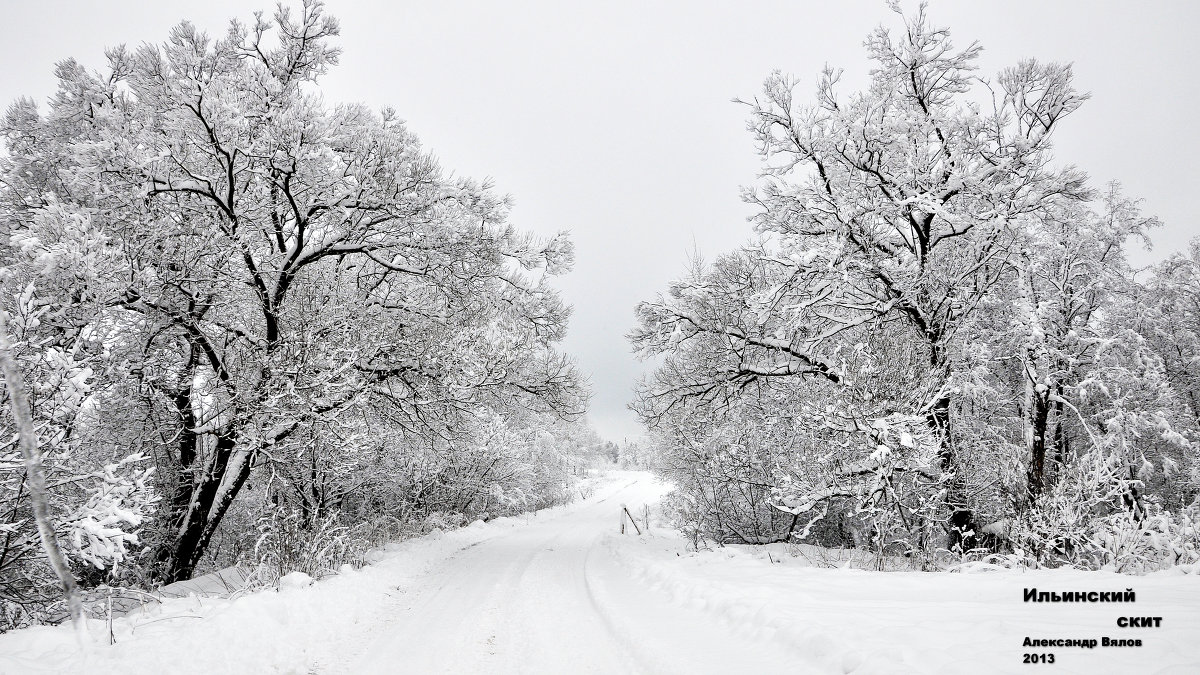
(899,203)
(275,263)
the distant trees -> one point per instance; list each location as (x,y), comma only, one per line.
(235,276)
(926,291)
(1170,306)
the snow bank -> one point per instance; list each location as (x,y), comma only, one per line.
(866,622)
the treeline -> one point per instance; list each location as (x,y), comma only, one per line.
(258,328)
(936,342)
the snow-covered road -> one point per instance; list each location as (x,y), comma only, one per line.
(551,598)
(561,591)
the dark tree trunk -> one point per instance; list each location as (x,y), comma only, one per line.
(206,505)
(1039,418)
(962,535)
(1062,442)
(182,493)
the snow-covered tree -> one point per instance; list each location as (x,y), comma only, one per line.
(897,204)
(269,265)
(1171,303)
(935,327)
(1065,391)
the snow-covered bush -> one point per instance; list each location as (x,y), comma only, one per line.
(440,521)
(1093,519)
(723,482)
(312,511)
(289,542)
(1160,540)
(101,531)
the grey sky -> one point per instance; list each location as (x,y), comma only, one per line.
(613,119)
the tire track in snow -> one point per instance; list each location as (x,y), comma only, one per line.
(519,588)
(551,596)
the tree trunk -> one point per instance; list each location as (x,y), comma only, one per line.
(36,478)
(963,532)
(181,494)
(963,528)
(1038,420)
(208,501)
(1062,448)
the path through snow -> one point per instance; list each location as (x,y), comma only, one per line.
(551,598)
(561,592)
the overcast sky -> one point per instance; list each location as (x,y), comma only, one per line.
(613,119)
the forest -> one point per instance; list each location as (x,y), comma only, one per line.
(242,326)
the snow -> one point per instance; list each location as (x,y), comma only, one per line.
(851,620)
(295,580)
(561,591)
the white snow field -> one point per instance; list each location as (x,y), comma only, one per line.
(562,592)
